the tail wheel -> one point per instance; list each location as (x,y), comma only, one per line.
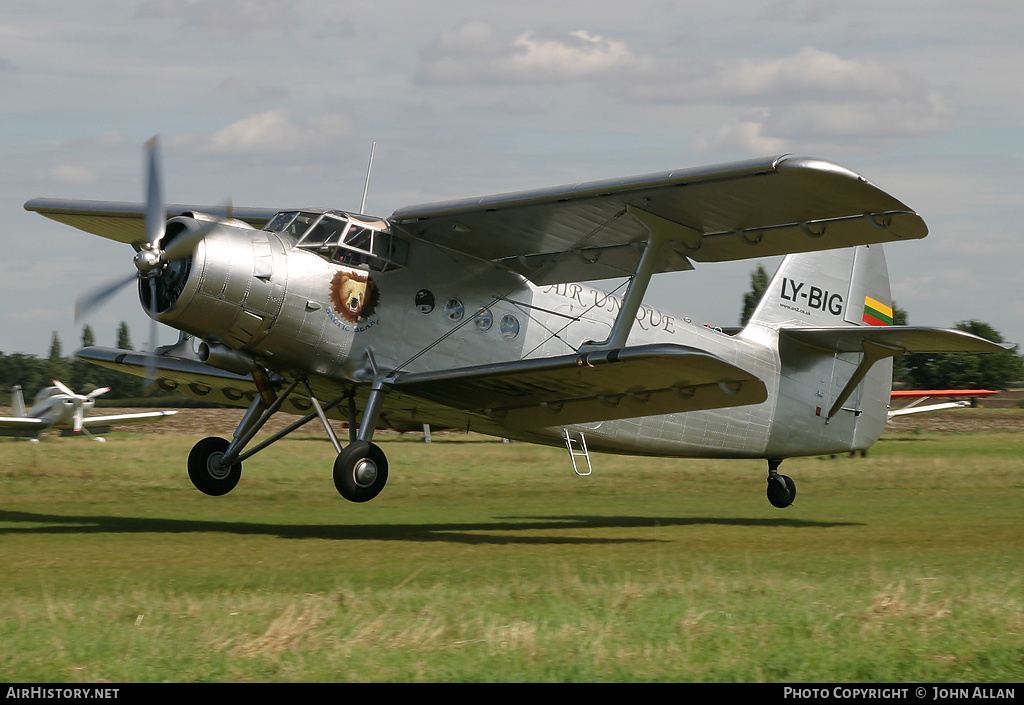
(781,491)
(207,472)
(360,471)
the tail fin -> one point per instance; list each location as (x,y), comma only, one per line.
(17,402)
(829,288)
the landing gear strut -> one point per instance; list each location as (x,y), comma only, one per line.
(781,488)
(360,470)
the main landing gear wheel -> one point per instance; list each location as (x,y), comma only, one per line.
(206,471)
(781,488)
(360,471)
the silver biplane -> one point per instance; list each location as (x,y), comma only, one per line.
(472,314)
(59,408)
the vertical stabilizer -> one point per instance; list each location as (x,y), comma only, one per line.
(17,401)
(829,288)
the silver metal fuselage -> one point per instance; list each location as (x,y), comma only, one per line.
(258,294)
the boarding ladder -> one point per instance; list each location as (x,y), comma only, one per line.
(577,446)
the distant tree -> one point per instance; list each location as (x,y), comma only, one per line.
(124,338)
(88,337)
(758,285)
(967,371)
(23,370)
(56,366)
(56,349)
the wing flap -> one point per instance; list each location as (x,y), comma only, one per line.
(599,386)
(726,212)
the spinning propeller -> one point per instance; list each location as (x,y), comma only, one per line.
(152,260)
(79,401)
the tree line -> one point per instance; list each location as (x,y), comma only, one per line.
(34,373)
(996,371)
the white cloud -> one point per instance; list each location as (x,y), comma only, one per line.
(743,135)
(472,54)
(820,99)
(268,133)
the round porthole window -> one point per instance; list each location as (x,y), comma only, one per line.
(484,320)
(509,326)
(454,310)
(424,301)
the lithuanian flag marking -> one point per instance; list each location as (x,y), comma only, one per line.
(876,313)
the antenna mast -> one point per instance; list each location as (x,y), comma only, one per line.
(366,186)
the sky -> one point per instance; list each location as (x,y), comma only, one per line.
(275,103)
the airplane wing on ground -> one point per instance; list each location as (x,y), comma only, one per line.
(125,221)
(92,422)
(727,212)
(920,395)
(907,410)
(598,386)
(21,426)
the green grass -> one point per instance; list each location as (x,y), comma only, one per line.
(485,561)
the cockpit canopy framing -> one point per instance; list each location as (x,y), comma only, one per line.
(343,237)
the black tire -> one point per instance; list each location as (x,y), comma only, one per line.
(360,471)
(781,491)
(205,470)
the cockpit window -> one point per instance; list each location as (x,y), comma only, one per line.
(341,237)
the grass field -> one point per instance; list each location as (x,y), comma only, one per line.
(486,561)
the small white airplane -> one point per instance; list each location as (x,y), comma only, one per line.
(472,314)
(59,408)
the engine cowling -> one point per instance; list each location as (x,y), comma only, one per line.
(253,292)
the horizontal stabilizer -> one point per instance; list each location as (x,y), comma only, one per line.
(900,339)
(597,386)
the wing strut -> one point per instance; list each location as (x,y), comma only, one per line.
(873,352)
(660,231)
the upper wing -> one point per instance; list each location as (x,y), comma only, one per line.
(733,211)
(120,419)
(125,222)
(609,384)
